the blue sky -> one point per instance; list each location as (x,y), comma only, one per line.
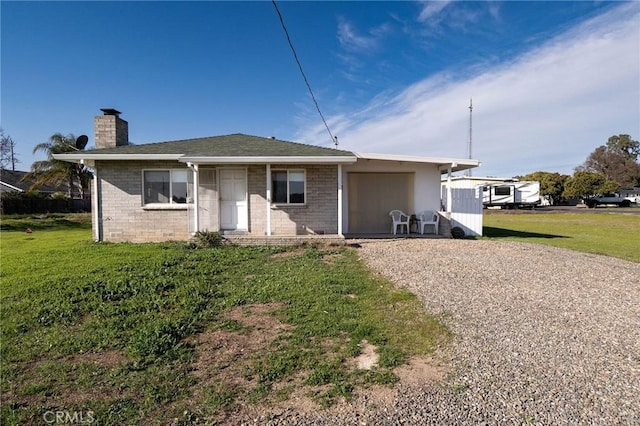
(550,81)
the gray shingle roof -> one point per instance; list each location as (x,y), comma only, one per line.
(10,179)
(235,145)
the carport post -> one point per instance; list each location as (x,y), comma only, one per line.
(449,200)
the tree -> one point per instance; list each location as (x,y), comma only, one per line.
(8,159)
(584,184)
(551,184)
(57,172)
(617,160)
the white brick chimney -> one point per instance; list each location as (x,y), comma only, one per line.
(111,130)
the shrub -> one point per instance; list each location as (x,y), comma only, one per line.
(208,239)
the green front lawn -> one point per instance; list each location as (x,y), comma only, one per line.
(147,333)
(612,234)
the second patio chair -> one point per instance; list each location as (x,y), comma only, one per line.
(428,217)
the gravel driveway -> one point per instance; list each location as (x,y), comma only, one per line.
(543,335)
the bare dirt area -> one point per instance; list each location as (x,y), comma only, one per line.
(223,355)
(61,386)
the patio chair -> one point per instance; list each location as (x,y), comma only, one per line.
(399,218)
(428,217)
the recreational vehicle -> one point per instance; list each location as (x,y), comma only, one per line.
(510,195)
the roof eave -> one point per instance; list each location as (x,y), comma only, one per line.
(90,159)
(443,164)
(298,159)
(458,166)
(12,187)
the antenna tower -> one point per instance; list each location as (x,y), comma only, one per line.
(469,152)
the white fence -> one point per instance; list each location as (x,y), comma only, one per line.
(466,209)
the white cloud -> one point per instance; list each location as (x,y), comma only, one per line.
(547,110)
(431,10)
(456,15)
(351,40)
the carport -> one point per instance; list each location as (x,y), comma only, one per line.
(379,183)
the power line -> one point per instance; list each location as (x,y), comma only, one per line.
(334,139)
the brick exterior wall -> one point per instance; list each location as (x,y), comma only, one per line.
(122,213)
(123,217)
(319,215)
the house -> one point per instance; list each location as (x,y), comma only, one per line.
(15,181)
(248,187)
(18,197)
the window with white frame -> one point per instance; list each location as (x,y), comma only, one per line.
(166,186)
(288,186)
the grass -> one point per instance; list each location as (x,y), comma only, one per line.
(600,233)
(119,331)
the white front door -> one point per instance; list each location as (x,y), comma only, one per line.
(233,200)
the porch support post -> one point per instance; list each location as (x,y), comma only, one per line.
(449,200)
(97,207)
(196,204)
(339,199)
(268,199)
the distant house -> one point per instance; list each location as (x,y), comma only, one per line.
(19,198)
(250,187)
(14,181)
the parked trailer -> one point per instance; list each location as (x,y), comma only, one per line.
(510,195)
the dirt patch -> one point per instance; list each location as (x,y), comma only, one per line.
(420,371)
(223,356)
(331,258)
(219,352)
(108,359)
(368,357)
(295,397)
(62,389)
(286,254)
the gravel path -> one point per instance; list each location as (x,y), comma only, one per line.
(543,335)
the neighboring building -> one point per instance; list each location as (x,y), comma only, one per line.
(249,187)
(14,181)
(19,198)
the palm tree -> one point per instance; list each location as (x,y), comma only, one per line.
(56,172)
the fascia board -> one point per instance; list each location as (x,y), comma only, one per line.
(15,188)
(82,158)
(443,164)
(265,160)
(416,159)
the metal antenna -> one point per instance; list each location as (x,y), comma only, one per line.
(470,131)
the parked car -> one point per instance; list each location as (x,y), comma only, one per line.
(612,199)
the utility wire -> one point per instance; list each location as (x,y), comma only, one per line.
(295,55)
